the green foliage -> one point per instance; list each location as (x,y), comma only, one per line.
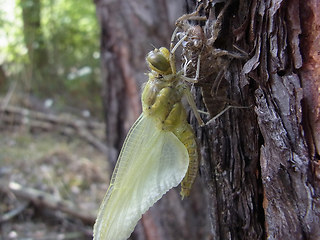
(14,52)
(68,65)
(72,33)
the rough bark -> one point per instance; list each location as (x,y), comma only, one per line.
(256,163)
(259,171)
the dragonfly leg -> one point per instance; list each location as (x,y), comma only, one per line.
(223,111)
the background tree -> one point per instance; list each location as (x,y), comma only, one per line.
(123,54)
(259,171)
(34,39)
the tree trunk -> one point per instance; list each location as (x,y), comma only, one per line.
(256,164)
(3,77)
(34,40)
(259,172)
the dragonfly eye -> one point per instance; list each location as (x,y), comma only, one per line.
(158,62)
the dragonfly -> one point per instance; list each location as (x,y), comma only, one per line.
(159,152)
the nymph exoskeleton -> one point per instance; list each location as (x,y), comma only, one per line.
(205,61)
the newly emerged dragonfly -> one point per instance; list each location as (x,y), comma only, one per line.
(160,150)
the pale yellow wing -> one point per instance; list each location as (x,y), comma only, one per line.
(151,162)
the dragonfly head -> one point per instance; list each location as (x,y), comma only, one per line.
(159,61)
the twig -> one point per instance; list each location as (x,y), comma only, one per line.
(14,212)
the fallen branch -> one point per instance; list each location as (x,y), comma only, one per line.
(11,115)
(59,120)
(40,198)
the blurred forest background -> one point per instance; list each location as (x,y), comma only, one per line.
(52,136)
(55,104)
(51,50)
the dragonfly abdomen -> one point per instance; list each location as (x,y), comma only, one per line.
(186,135)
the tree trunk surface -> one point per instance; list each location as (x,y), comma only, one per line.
(260,170)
